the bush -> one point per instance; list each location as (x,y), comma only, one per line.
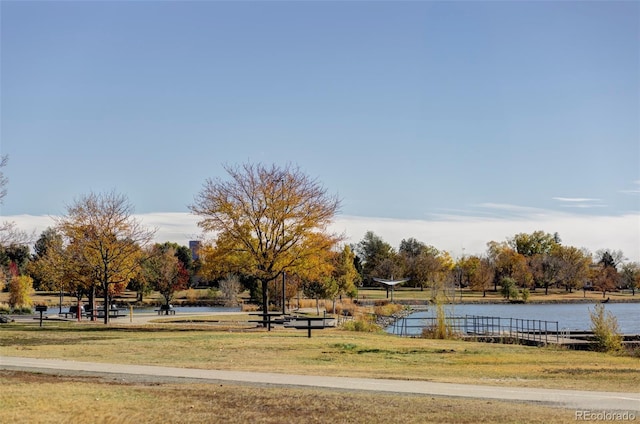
(508,288)
(22,310)
(441,329)
(387,309)
(4,308)
(363,323)
(524,294)
(605,330)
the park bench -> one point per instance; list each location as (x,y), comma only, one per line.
(166,310)
(73,311)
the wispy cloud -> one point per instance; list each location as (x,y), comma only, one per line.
(575,199)
(635,190)
(458,233)
(580,202)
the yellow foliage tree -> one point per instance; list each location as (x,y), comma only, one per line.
(266,221)
(104,241)
(20,291)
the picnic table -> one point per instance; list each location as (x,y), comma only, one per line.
(308,323)
(267,318)
(113,312)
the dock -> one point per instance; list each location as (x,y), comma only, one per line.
(506,330)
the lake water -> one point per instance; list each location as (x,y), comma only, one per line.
(573,316)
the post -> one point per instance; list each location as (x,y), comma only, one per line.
(283,294)
(41,309)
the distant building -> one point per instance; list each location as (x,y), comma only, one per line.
(194,246)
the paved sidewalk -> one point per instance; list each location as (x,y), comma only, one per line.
(573,399)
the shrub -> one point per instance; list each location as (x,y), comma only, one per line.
(213,293)
(230,288)
(605,330)
(22,310)
(362,323)
(387,309)
(524,294)
(508,288)
(4,308)
(442,328)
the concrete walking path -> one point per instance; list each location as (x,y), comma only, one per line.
(574,399)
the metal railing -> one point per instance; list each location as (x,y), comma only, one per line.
(516,329)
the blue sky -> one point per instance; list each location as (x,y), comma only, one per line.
(415,113)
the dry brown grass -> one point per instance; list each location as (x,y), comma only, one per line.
(42,398)
(330,352)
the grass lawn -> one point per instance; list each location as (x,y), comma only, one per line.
(34,397)
(42,398)
(331,352)
(231,344)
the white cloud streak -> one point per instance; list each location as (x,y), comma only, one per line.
(459,234)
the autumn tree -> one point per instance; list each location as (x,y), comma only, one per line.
(342,280)
(266,221)
(465,268)
(479,273)
(16,254)
(609,258)
(630,275)
(106,240)
(536,243)
(345,273)
(377,257)
(508,263)
(46,245)
(574,266)
(20,291)
(420,262)
(605,278)
(165,272)
(546,270)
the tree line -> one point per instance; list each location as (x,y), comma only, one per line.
(522,263)
(269,231)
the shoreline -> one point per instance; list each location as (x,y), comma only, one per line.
(414,302)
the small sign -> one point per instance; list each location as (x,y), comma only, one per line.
(41,308)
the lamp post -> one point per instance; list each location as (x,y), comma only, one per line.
(283,272)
